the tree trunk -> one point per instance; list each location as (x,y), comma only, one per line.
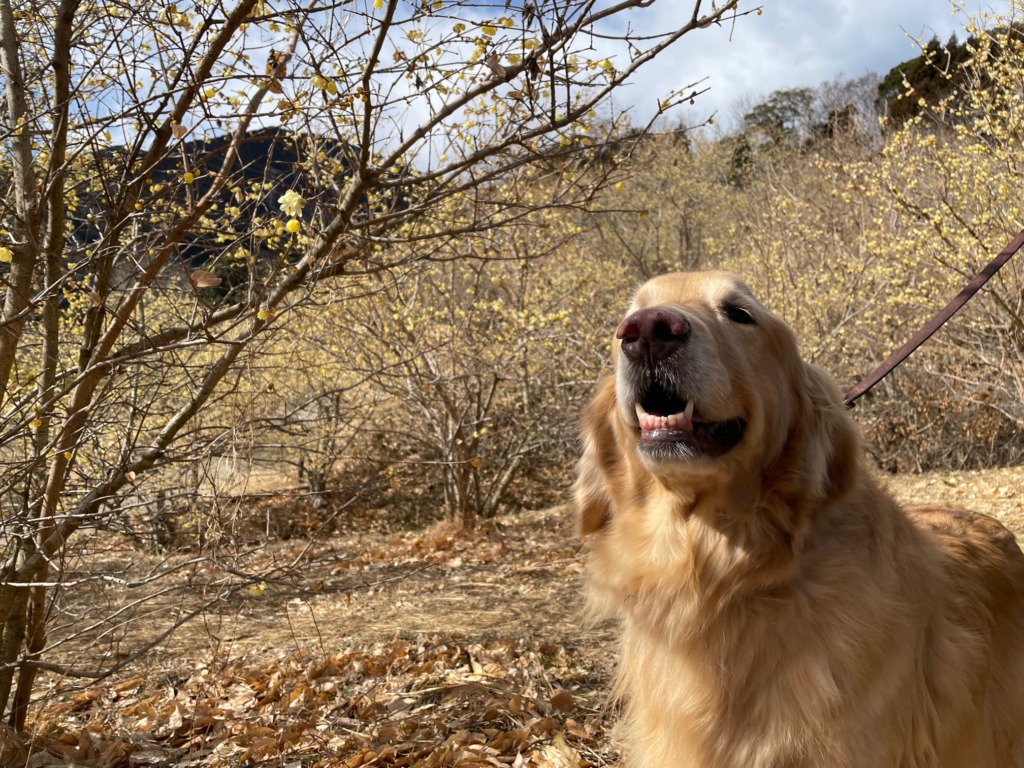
(13,606)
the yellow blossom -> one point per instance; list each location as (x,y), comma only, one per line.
(291,203)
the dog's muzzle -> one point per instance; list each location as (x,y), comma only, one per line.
(654,343)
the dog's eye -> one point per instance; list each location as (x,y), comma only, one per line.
(738,314)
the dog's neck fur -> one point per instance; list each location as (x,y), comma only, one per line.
(698,544)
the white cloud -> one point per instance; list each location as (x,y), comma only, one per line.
(793,43)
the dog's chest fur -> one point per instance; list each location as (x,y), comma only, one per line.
(698,707)
(755,672)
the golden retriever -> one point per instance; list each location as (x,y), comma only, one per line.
(778,608)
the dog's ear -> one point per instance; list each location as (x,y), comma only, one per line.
(832,449)
(590,493)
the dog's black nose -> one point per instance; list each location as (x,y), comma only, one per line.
(655,333)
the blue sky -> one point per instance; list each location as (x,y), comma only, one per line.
(792,43)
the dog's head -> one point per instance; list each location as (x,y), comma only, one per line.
(710,402)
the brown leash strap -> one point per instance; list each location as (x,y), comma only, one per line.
(936,322)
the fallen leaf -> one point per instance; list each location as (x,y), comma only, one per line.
(562,701)
(202,279)
(558,754)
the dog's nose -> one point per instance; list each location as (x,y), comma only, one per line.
(655,333)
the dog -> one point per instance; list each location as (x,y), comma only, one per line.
(778,609)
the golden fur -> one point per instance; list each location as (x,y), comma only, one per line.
(778,608)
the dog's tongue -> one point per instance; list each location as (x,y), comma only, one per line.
(682,421)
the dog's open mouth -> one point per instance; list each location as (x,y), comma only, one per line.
(668,422)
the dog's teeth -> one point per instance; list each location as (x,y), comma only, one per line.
(639,411)
(688,411)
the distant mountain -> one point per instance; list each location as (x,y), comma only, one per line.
(274,158)
(270,162)
(927,75)
(934,75)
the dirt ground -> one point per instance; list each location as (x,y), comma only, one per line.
(521,577)
(412,648)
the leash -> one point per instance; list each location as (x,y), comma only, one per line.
(935,323)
